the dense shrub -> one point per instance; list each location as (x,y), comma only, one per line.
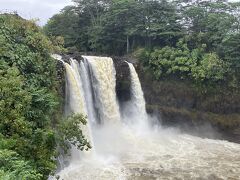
(28,92)
(184,63)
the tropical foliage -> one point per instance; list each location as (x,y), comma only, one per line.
(184,39)
(30,112)
(198,40)
(195,64)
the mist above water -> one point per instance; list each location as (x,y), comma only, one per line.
(128,152)
(128,145)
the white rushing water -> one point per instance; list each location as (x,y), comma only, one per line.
(88,91)
(74,88)
(104,84)
(156,154)
(134,111)
(136,92)
(75,102)
(137,151)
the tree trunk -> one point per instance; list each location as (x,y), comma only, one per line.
(133,43)
(127,44)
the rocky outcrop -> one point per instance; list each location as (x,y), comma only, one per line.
(123,81)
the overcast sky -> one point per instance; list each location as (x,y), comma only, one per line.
(34,9)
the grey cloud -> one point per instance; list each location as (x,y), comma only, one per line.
(34,9)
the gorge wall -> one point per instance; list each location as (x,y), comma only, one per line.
(180,104)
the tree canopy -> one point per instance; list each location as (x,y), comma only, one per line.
(198,40)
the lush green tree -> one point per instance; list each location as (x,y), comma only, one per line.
(196,64)
(13,103)
(229,50)
(29,102)
(70,133)
(130,24)
(208,22)
(117,27)
(90,23)
(64,24)
(13,167)
(211,67)
(120,26)
(28,95)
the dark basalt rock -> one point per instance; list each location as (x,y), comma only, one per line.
(61,84)
(123,79)
(75,55)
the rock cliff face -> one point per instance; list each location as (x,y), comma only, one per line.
(123,81)
(183,105)
(213,114)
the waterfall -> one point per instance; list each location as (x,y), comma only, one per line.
(136,91)
(104,83)
(86,82)
(135,110)
(74,100)
(134,150)
(74,89)
(90,90)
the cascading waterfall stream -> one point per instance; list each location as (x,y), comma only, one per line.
(136,91)
(86,82)
(104,84)
(75,98)
(75,102)
(121,152)
(135,110)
